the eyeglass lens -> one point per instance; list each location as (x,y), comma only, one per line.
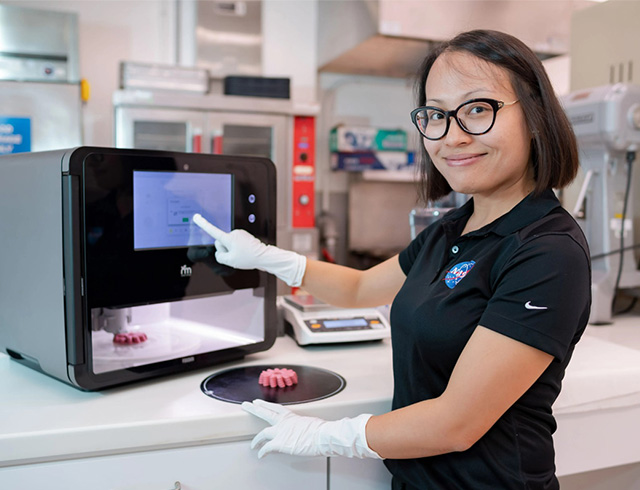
(475,117)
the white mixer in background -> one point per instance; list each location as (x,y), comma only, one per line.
(606,121)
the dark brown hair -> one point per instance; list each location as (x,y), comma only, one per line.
(554,152)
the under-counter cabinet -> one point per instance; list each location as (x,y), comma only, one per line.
(358,474)
(219,466)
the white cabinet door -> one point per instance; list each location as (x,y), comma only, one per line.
(220,466)
(358,474)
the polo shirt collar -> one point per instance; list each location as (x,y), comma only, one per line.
(527,211)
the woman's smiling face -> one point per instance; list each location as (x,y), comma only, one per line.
(494,164)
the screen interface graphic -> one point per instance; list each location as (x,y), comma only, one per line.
(165,202)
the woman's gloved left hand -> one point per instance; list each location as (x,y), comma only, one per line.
(309,436)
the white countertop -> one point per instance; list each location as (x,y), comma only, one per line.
(42,419)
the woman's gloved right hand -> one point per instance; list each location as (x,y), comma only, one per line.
(241,250)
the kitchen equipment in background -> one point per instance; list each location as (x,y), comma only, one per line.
(277,129)
(381,188)
(391,38)
(223,36)
(38,45)
(606,121)
(122,257)
(147,76)
(421,217)
(40,92)
(277,88)
(311,321)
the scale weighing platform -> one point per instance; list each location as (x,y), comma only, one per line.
(311,321)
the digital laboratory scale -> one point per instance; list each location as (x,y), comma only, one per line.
(311,321)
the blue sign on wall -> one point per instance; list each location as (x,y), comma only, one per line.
(15,135)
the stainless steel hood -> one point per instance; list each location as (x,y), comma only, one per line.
(391,37)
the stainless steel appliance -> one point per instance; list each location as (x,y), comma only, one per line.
(103,278)
(40,94)
(390,37)
(421,217)
(232,125)
(606,121)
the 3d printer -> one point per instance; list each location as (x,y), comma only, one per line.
(104,279)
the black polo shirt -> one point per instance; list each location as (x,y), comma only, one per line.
(527,276)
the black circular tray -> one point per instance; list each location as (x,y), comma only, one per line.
(241,384)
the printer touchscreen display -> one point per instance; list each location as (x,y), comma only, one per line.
(165,202)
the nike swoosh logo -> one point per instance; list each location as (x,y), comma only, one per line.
(529,306)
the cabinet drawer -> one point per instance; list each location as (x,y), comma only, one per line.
(225,466)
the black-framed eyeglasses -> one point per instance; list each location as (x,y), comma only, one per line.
(475,116)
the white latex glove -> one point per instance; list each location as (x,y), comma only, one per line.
(241,250)
(309,436)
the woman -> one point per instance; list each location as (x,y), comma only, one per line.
(488,302)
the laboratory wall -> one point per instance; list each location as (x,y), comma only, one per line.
(604,44)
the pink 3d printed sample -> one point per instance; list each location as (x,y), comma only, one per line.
(129,338)
(278,378)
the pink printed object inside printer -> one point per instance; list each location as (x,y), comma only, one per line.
(129,338)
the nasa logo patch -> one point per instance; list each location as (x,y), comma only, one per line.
(457,273)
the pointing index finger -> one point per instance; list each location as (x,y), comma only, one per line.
(210,229)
